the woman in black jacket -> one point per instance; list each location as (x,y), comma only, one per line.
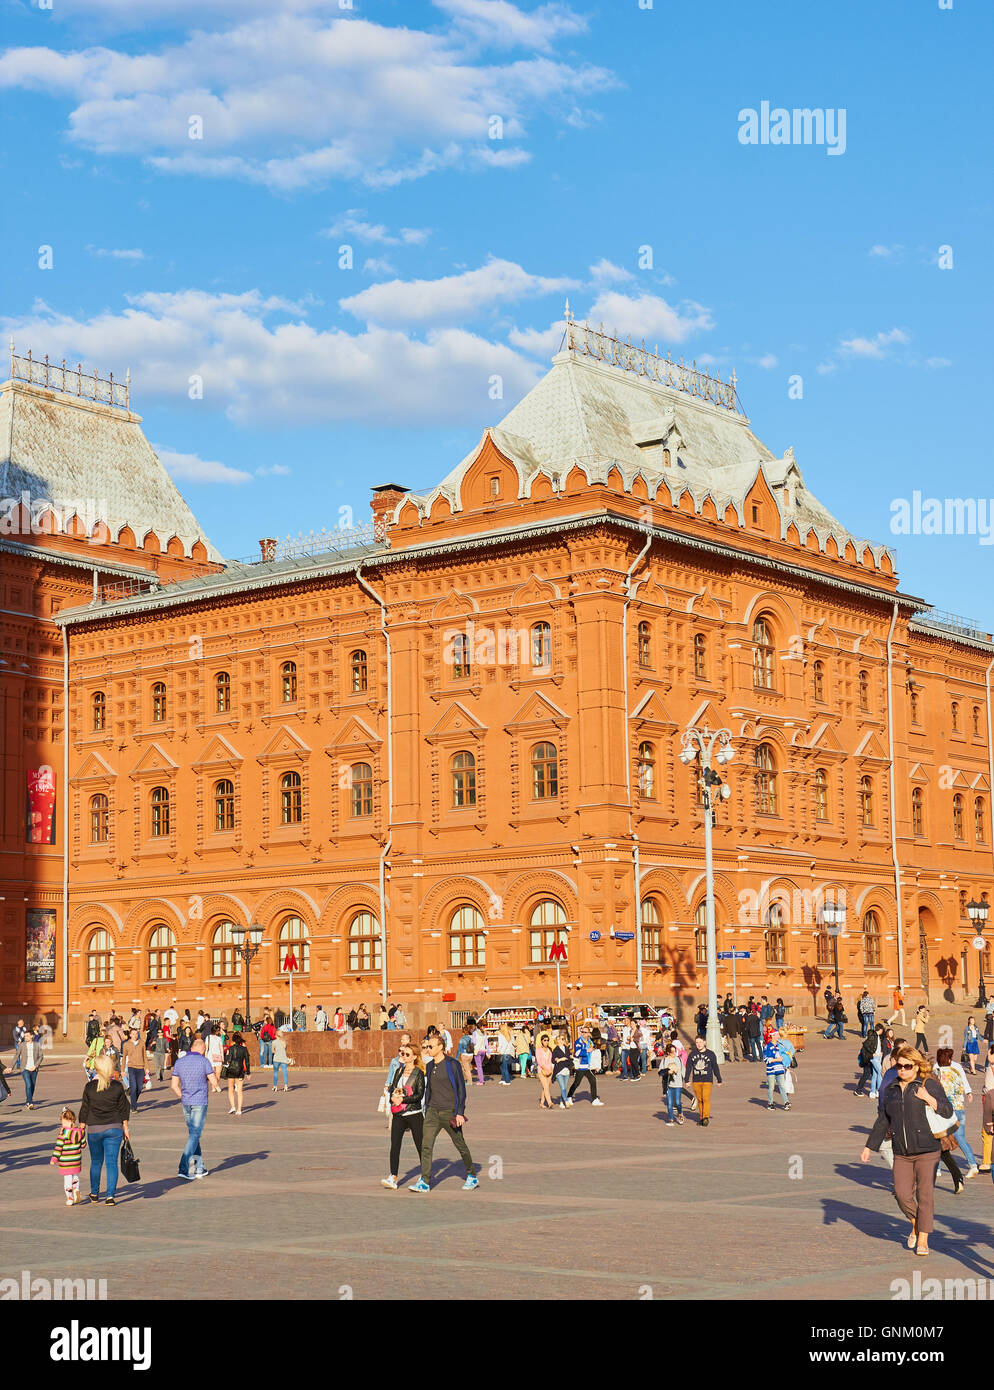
(237,1060)
(406,1102)
(104,1111)
(903,1113)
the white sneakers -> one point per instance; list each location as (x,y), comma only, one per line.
(596,1102)
(389,1182)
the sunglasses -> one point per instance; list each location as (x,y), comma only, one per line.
(905,1066)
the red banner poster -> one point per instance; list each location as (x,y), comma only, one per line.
(41,806)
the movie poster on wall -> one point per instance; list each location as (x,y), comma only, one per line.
(41,806)
(40,941)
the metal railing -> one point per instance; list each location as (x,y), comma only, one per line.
(125,588)
(72,380)
(590,342)
(951,622)
(337,540)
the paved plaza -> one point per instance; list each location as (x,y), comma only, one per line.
(588,1203)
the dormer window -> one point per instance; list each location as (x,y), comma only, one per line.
(495,486)
(755,514)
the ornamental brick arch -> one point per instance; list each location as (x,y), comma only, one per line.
(150,910)
(228,907)
(876,899)
(342,905)
(528,889)
(88,916)
(784,617)
(788,894)
(726,903)
(438,904)
(666,886)
(286,902)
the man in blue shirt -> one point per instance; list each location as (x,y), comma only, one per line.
(582,1049)
(191,1074)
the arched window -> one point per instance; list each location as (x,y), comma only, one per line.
(161,954)
(821,794)
(224,805)
(99,706)
(766,781)
(917,811)
(864,690)
(546,930)
(361,796)
(541,645)
(291,799)
(645,644)
(652,932)
(467,943)
(976,721)
(464,779)
(871,940)
(775,936)
(980,819)
(460,655)
(915,707)
(158,703)
(288,682)
(954,711)
(959,829)
(295,941)
(701,933)
(818,681)
(160,811)
(763,654)
(647,771)
(866,809)
(700,657)
(823,944)
(224,962)
(222,692)
(545,771)
(99,958)
(364,942)
(360,671)
(99,819)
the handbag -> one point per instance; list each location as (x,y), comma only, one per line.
(939,1124)
(129,1164)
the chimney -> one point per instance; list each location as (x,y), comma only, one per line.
(268,547)
(384,500)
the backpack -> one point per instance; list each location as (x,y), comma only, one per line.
(352,1019)
(92,1030)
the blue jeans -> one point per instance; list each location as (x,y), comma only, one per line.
(195,1116)
(674,1100)
(962,1140)
(876,1077)
(277,1068)
(505,1066)
(105,1147)
(868,1023)
(265,1052)
(838,1031)
(755,1050)
(644,1059)
(778,1081)
(136,1080)
(562,1077)
(30,1081)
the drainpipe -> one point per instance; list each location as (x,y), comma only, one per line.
(990,748)
(65,831)
(386,848)
(893,805)
(628,764)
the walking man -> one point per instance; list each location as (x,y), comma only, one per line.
(753,1029)
(733,1035)
(18,1036)
(582,1049)
(445,1108)
(191,1074)
(702,1072)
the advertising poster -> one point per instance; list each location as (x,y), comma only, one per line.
(41,806)
(40,945)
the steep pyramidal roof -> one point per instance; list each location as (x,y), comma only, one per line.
(75,451)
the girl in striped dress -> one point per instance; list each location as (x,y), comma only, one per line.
(68,1154)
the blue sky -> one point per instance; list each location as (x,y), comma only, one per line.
(370,125)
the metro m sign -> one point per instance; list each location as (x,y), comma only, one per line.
(557,951)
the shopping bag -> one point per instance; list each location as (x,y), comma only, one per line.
(788,1083)
(129,1164)
(148,1080)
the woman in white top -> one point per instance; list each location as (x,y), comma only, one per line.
(215,1050)
(505,1053)
(479,1052)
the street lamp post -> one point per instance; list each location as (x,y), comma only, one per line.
(700,743)
(977,912)
(246,949)
(834,917)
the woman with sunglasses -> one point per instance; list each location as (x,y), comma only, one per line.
(406,1100)
(903,1112)
(543,1063)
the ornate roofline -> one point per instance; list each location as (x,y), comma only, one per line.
(63,557)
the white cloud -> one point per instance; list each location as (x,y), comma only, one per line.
(538,342)
(934,363)
(279,469)
(453,298)
(293,101)
(351,224)
(873,347)
(606,272)
(378,265)
(190,468)
(826,368)
(117,255)
(894,252)
(499,22)
(260,362)
(767,361)
(648,316)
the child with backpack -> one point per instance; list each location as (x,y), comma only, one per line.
(68,1154)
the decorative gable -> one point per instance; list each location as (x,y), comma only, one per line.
(217,754)
(95,769)
(651,713)
(155,761)
(537,710)
(825,740)
(455,723)
(354,736)
(284,744)
(871,749)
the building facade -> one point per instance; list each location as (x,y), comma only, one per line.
(421,755)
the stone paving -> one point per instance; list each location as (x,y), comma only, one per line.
(602,1203)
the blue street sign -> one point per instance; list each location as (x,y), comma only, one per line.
(624,936)
(595,936)
(734,955)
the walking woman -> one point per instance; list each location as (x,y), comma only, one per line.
(522,1049)
(869,1060)
(237,1060)
(971,1043)
(281,1061)
(30,1064)
(215,1050)
(916,1148)
(561,1067)
(134,1061)
(986,1134)
(406,1101)
(104,1111)
(544,1065)
(671,1075)
(464,1051)
(952,1079)
(92,1053)
(505,1053)
(920,1024)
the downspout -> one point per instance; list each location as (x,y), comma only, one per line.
(893,805)
(65,831)
(628,764)
(389,841)
(990,749)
